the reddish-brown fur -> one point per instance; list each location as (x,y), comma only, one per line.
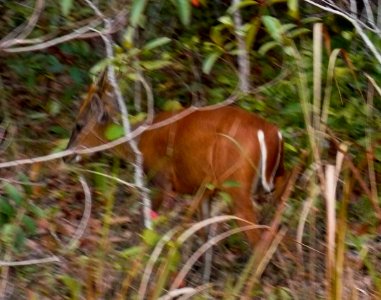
(206,147)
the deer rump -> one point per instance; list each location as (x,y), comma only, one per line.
(227,148)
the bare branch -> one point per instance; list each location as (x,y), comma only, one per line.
(356,23)
(50,259)
(43,42)
(86,215)
(25,29)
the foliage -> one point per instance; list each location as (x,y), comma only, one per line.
(184,52)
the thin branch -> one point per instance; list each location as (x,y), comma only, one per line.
(86,215)
(84,32)
(62,39)
(355,23)
(50,259)
(24,29)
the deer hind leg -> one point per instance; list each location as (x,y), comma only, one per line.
(163,193)
(243,208)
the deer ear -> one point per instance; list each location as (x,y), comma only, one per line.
(98,109)
(103,83)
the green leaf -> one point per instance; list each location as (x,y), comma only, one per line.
(311,20)
(27,187)
(66,6)
(36,211)
(273,27)
(173,259)
(210,186)
(293,8)
(150,237)
(13,193)
(266,47)
(287,27)
(8,233)
(210,61)
(135,119)
(184,10)
(155,64)
(30,224)
(137,11)
(227,20)
(114,131)
(252,31)
(231,183)
(297,32)
(156,43)
(6,208)
(215,34)
(240,5)
(73,285)
(172,105)
(132,252)
(19,238)
(225,197)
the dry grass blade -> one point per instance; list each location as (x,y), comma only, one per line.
(331,225)
(152,260)
(266,258)
(185,293)
(268,236)
(191,261)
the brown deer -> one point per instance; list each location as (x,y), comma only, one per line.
(206,147)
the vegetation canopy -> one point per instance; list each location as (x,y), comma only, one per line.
(87,230)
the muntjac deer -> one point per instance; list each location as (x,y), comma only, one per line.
(206,147)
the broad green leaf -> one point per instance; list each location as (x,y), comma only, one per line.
(311,20)
(114,131)
(150,237)
(216,36)
(240,4)
(155,64)
(27,187)
(6,208)
(36,211)
(174,258)
(210,186)
(66,6)
(128,37)
(226,20)
(293,8)
(13,193)
(8,233)
(297,32)
(156,43)
(225,197)
(266,47)
(132,252)
(287,27)
(137,11)
(19,238)
(172,105)
(209,62)
(135,119)
(252,31)
(73,285)
(231,183)
(273,27)
(184,10)
(30,224)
